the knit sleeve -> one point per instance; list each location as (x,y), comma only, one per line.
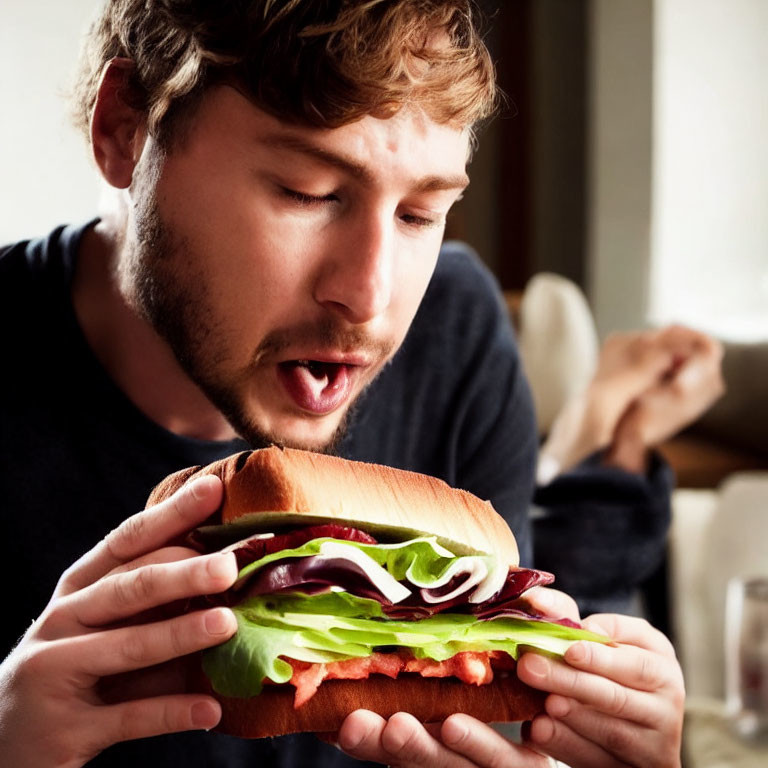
(602,531)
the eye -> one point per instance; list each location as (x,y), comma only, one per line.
(305,199)
(421,222)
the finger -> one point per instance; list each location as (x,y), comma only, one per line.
(122,595)
(157,716)
(401,741)
(360,736)
(635,743)
(619,699)
(360,727)
(144,532)
(713,348)
(552,602)
(114,651)
(159,556)
(626,664)
(629,630)
(682,340)
(558,740)
(486,747)
(407,743)
(698,375)
(633,364)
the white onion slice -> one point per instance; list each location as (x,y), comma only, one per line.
(387,584)
(476,569)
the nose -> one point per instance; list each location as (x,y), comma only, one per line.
(355,280)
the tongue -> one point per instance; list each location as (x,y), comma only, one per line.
(316,387)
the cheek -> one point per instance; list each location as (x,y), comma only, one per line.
(264,269)
(247,259)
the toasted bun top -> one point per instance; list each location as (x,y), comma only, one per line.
(279,486)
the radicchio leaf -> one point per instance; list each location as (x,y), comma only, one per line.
(250,550)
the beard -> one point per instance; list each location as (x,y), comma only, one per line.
(170,292)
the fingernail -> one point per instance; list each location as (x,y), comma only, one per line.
(399,731)
(598,629)
(358,728)
(577,652)
(200,486)
(205,715)
(349,741)
(545,730)
(222,566)
(536,665)
(544,598)
(218,621)
(557,706)
(453,732)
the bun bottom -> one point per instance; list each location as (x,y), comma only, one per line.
(271,713)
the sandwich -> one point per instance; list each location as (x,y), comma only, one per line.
(364,586)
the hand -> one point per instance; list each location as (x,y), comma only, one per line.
(648,386)
(460,741)
(104,662)
(618,705)
(686,391)
(610,706)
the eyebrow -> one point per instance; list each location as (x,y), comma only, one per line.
(293,143)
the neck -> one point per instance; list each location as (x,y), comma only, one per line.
(137,359)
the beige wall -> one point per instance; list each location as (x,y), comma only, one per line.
(709,264)
(45,176)
(678,168)
(619,164)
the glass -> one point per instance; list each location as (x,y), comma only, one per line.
(746,656)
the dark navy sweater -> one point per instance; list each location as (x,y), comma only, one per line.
(78,457)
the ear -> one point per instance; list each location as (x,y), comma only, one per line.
(117,129)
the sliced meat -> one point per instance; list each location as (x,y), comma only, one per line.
(472,667)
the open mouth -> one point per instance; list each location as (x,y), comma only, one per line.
(316,386)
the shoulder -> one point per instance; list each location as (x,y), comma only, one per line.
(17,276)
(38,263)
(461,275)
(461,355)
(35,277)
(463,304)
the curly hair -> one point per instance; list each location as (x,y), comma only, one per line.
(322,63)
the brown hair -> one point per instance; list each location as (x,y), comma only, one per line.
(323,63)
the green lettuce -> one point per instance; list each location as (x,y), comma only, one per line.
(338,625)
(422,561)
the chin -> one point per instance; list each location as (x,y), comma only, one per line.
(322,440)
(321,435)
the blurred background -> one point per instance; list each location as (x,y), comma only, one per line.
(630,157)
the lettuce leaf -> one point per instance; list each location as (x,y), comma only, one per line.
(422,561)
(338,625)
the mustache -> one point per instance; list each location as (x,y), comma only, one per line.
(324,334)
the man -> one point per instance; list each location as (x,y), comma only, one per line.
(281,173)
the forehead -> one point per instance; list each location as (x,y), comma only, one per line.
(408,142)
